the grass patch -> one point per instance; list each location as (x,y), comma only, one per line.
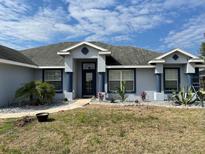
(6,126)
(104,129)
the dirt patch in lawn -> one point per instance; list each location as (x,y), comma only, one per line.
(24,121)
(110,129)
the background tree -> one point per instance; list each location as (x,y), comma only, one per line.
(202,49)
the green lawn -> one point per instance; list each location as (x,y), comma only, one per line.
(103,129)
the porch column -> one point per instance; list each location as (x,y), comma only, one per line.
(158,81)
(101,78)
(70,81)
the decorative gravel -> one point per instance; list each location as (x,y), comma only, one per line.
(148,103)
(29,108)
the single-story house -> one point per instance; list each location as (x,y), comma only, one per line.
(82,69)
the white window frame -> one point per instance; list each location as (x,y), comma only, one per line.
(178,79)
(54,80)
(121,79)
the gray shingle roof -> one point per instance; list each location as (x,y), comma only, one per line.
(14,55)
(124,55)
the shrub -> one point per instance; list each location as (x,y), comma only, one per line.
(185,98)
(101,96)
(143,95)
(112,100)
(45,92)
(37,92)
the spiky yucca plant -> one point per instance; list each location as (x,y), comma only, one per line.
(185,98)
(122,90)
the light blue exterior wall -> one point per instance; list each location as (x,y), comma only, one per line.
(185,69)
(73,63)
(11,78)
(145,81)
(146,78)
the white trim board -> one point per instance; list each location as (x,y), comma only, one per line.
(157,61)
(83,43)
(10,62)
(130,66)
(5,61)
(104,53)
(196,61)
(199,66)
(68,53)
(63,53)
(176,50)
(50,67)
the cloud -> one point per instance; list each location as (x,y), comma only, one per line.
(170,4)
(39,27)
(21,22)
(18,27)
(103,18)
(190,34)
(89,4)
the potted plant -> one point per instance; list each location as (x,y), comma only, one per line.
(42,117)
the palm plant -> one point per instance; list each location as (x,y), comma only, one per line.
(185,98)
(37,92)
(45,91)
(27,91)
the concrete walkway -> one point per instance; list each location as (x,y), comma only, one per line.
(77,104)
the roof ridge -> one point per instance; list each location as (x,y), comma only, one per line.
(96,43)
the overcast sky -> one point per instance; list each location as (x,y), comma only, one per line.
(153,24)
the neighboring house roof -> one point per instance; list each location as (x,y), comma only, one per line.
(8,55)
(120,55)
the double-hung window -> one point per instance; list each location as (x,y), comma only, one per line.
(116,77)
(171,80)
(54,77)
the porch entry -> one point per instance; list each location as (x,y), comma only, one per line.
(88,79)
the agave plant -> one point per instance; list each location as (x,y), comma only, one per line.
(185,98)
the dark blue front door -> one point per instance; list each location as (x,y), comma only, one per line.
(88,82)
